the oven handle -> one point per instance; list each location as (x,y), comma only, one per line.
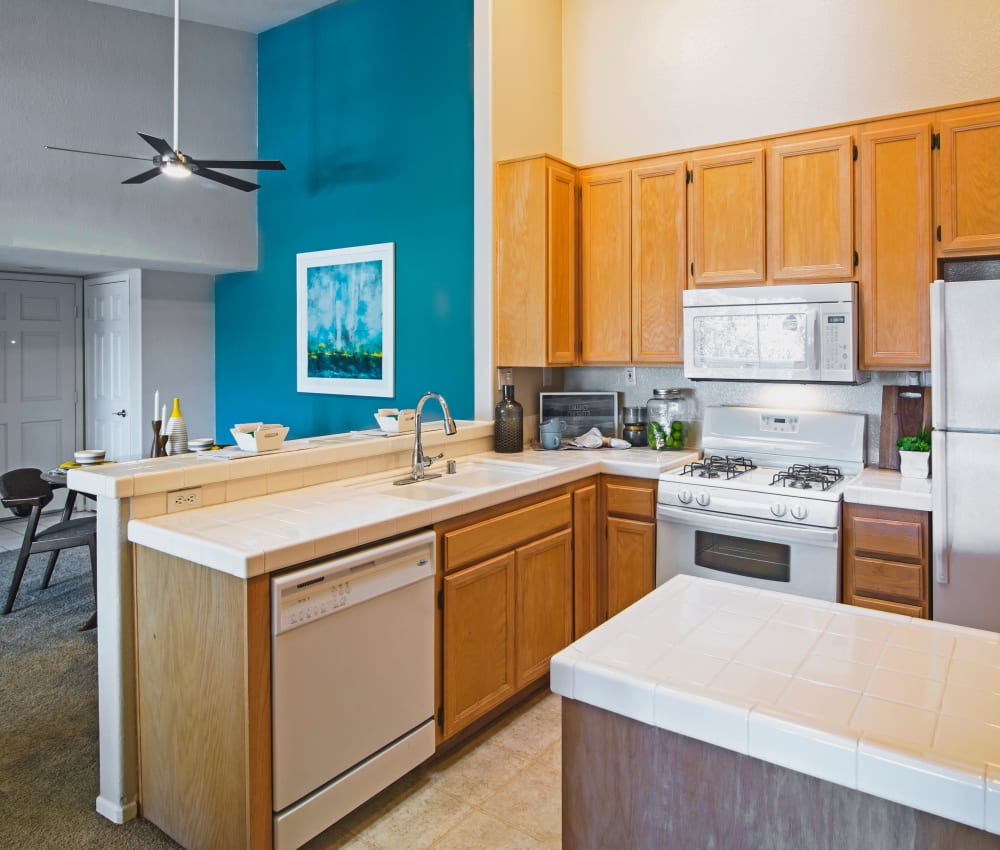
(758,529)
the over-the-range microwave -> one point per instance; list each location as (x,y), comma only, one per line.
(802,333)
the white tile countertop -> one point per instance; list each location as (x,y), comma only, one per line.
(257,535)
(888,489)
(904,709)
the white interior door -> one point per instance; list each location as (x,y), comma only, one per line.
(107,330)
(39,371)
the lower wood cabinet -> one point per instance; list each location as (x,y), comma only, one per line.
(629,513)
(506,603)
(887,559)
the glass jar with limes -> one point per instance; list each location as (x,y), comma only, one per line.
(667,414)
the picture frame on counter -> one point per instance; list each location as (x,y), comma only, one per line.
(345,321)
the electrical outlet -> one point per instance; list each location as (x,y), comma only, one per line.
(630,376)
(183,500)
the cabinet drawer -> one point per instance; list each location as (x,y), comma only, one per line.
(480,540)
(895,538)
(888,579)
(891,607)
(630,500)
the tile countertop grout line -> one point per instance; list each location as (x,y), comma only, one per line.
(161,532)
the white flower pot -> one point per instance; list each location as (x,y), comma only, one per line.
(914,464)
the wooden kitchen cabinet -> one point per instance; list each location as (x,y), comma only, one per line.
(535,278)
(810,208)
(586,561)
(630,540)
(727,220)
(605,265)
(887,559)
(506,603)
(969,177)
(896,244)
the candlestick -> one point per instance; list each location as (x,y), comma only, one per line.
(156,403)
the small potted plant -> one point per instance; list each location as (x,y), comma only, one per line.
(914,454)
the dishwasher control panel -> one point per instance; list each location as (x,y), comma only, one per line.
(303,595)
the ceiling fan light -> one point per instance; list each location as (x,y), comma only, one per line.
(176,170)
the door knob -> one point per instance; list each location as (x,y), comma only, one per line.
(122,413)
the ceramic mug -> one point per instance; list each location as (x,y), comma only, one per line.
(551,433)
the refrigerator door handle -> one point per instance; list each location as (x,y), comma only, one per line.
(939,505)
(940,393)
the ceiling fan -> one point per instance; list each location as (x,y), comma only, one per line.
(171,161)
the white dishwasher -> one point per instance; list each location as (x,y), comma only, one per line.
(352,681)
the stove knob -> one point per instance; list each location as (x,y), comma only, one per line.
(703,499)
(685,497)
(778,509)
(799,511)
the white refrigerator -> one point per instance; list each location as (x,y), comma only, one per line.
(965,452)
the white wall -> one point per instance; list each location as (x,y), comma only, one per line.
(652,75)
(178,348)
(85,75)
(527,77)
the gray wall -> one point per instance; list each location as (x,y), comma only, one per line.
(178,348)
(864,398)
(85,75)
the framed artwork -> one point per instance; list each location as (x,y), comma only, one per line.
(345,321)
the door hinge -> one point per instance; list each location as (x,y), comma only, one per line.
(935,141)
(939,233)
(855,154)
(440,716)
(856,258)
(690,176)
(440,600)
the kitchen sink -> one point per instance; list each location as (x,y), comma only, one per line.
(475,474)
(472,475)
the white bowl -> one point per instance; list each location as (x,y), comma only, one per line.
(201,443)
(88,456)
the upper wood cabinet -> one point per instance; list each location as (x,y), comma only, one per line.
(536,252)
(810,206)
(728,216)
(659,264)
(896,242)
(970,177)
(605,267)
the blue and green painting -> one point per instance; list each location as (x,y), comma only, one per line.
(345,321)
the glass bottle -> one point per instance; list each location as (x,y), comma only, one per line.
(508,423)
(667,413)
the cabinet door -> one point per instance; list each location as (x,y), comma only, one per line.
(605,267)
(586,612)
(810,202)
(561,302)
(631,547)
(970,174)
(659,261)
(544,606)
(897,257)
(535,256)
(728,217)
(478,640)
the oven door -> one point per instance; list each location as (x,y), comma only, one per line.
(803,560)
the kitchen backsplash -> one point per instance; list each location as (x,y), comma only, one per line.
(863,398)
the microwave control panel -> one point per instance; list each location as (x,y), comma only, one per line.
(837,339)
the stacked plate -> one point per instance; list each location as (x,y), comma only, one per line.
(201,444)
(85,457)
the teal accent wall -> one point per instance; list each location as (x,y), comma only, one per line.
(369,105)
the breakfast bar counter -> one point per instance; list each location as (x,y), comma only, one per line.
(714,715)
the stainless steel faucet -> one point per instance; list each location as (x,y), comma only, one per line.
(420,460)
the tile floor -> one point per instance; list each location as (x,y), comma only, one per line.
(500,791)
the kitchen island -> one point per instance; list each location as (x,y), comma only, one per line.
(722,716)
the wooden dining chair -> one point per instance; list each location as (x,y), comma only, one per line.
(24,489)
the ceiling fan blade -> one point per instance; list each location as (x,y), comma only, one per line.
(142,178)
(99,153)
(159,145)
(227,180)
(237,164)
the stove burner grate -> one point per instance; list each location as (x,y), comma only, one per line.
(805,477)
(716,466)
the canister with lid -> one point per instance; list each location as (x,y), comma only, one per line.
(668,415)
(634,425)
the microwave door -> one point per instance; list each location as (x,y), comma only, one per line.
(721,342)
(788,342)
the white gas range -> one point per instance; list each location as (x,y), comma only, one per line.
(762,507)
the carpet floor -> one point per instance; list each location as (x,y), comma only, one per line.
(48,717)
